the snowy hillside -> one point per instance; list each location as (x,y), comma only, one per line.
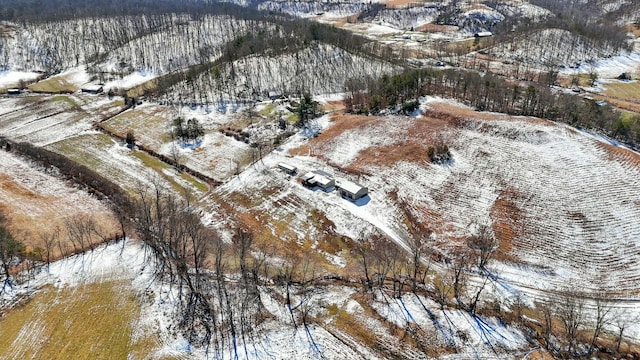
(318,69)
(561,202)
(118,44)
(552,47)
(275,179)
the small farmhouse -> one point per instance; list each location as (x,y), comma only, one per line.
(352,191)
(318,178)
(287,169)
(92,88)
(483,34)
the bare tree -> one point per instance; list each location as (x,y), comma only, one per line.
(547,325)
(12,250)
(460,266)
(622,319)
(48,240)
(80,231)
(443,286)
(484,244)
(364,253)
(420,252)
(601,318)
(572,314)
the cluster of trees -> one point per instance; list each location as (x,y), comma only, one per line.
(218,282)
(571,323)
(191,131)
(486,93)
(585,18)
(601,30)
(439,153)
(574,324)
(79,234)
(390,269)
(56,10)
(306,110)
(277,53)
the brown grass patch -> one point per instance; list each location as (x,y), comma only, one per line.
(436,28)
(334,106)
(349,324)
(507,225)
(411,147)
(458,114)
(539,355)
(621,104)
(635,29)
(626,91)
(340,124)
(425,132)
(617,153)
(30,214)
(401,3)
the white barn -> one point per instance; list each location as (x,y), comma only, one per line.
(352,191)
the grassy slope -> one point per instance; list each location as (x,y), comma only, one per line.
(88,322)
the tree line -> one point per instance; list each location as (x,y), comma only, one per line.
(487,92)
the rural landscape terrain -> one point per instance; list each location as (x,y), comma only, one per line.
(278,179)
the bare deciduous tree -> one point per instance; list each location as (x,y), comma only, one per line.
(420,252)
(48,240)
(601,318)
(571,310)
(484,244)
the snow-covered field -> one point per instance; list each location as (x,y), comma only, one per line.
(48,119)
(570,199)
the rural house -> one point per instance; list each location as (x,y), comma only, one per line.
(352,191)
(318,178)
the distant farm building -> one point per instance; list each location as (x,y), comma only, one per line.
(92,88)
(287,169)
(483,34)
(318,178)
(275,95)
(14,91)
(352,191)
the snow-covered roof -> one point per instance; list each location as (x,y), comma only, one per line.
(287,167)
(351,187)
(308,176)
(323,173)
(323,180)
(483,34)
(91,87)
